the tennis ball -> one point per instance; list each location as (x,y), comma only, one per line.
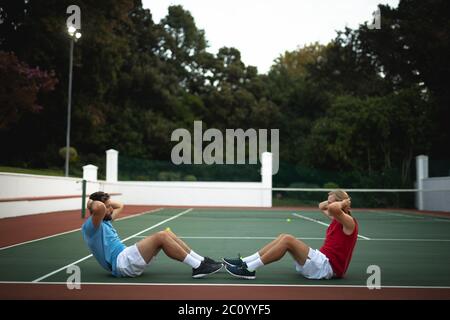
(168,229)
(288,220)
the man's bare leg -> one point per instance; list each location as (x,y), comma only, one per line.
(287,243)
(178,240)
(150,246)
(263,250)
(270,245)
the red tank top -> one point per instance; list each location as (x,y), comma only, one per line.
(338,247)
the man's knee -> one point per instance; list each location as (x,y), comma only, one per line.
(170,233)
(289,239)
(162,236)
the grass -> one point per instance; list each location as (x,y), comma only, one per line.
(45,172)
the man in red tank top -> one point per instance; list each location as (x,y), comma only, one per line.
(330,261)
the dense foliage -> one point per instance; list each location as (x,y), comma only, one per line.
(355,111)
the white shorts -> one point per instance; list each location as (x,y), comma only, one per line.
(130,262)
(316,266)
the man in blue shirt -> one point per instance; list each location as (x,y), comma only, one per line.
(107,248)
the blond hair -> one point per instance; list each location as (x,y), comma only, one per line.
(339,194)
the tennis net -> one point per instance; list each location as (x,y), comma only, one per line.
(361,198)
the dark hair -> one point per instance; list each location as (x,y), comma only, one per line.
(99,196)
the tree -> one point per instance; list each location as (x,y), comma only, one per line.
(371,134)
(20,86)
(183,45)
(412,50)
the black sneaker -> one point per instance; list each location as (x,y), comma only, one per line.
(205,269)
(232,262)
(241,271)
(211,261)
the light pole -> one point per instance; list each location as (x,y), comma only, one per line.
(74,36)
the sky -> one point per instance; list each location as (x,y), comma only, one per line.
(263,30)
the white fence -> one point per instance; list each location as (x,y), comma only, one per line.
(436,200)
(193,193)
(435,192)
(23,194)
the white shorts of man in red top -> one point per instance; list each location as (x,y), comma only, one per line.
(330,261)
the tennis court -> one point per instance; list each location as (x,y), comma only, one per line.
(411,248)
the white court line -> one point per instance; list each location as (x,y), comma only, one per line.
(139,214)
(74,230)
(429,218)
(323,223)
(399,215)
(311,219)
(223,284)
(418,240)
(302,238)
(31,241)
(132,236)
(237,238)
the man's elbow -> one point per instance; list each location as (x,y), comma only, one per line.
(323,205)
(334,209)
(117,205)
(98,207)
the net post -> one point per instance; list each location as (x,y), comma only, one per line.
(83,199)
(266,179)
(421,174)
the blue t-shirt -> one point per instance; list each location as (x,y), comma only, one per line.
(104,243)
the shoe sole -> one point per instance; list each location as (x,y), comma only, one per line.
(230,264)
(239,276)
(202,275)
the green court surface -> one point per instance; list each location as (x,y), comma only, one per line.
(410,249)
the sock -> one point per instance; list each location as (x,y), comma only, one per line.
(253,265)
(196,255)
(251,258)
(193,262)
